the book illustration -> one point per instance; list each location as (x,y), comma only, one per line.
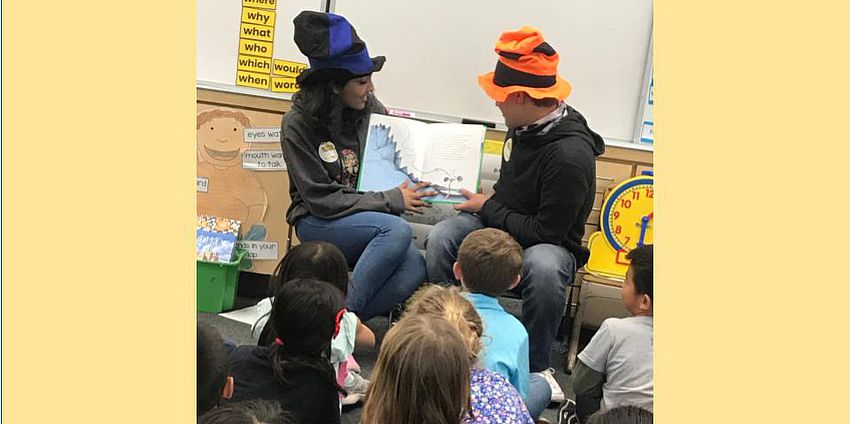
(383,158)
(216,238)
(399,149)
(449,177)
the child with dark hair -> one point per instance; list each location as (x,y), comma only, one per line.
(295,369)
(214,382)
(421,375)
(323,261)
(621,415)
(313,259)
(248,412)
(488,264)
(616,366)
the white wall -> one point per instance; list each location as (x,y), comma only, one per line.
(436,48)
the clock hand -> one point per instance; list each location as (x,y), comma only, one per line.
(644,223)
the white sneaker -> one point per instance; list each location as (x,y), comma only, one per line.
(557,393)
(357,386)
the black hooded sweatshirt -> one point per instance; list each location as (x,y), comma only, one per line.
(546,187)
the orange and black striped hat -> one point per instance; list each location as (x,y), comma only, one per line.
(526,64)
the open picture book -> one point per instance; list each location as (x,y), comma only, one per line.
(401,149)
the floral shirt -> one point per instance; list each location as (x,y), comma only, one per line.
(495,400)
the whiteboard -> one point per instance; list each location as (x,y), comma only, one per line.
(436,49)
(218,39)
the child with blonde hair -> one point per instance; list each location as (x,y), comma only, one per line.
(421,375)
(493,398)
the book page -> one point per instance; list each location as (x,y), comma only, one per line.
(453,160)
(395,152)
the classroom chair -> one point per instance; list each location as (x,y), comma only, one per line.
(599,298)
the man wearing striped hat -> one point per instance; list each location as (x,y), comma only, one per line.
(545,190)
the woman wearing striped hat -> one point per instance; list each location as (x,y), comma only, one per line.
(323,138)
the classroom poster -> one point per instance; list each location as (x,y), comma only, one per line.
(241,175)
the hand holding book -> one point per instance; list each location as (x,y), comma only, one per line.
(474,203)
(413,195)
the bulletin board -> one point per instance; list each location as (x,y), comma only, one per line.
(241,175)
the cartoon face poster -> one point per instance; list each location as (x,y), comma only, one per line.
(232,192)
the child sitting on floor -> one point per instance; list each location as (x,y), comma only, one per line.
(488,264)
(494,399)
(294,369)
(323,261)
(616,366)
(421,375)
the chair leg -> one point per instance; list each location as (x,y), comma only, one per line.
(572,352)
(288,240)
(566,326)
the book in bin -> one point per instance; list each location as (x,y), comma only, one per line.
(216,238)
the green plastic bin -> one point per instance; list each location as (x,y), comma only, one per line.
(217,283)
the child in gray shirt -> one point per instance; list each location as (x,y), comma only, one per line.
(616,366)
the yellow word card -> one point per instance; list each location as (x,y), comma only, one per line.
(254,64)
(284,85)
(256,32)
(252,79)
(262,4)
(288,69)
(255,48)
(257,16)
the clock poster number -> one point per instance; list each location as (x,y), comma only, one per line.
(630,219)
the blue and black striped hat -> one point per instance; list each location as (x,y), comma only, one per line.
(332,47)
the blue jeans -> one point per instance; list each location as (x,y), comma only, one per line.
(387,266)
(539,394)
(547,270)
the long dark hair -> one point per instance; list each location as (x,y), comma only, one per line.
(312,259)
(213,367)
(304,317)
(323,108)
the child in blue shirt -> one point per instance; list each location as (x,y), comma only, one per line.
(488,264)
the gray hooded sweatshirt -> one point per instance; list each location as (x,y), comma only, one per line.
(323,172)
